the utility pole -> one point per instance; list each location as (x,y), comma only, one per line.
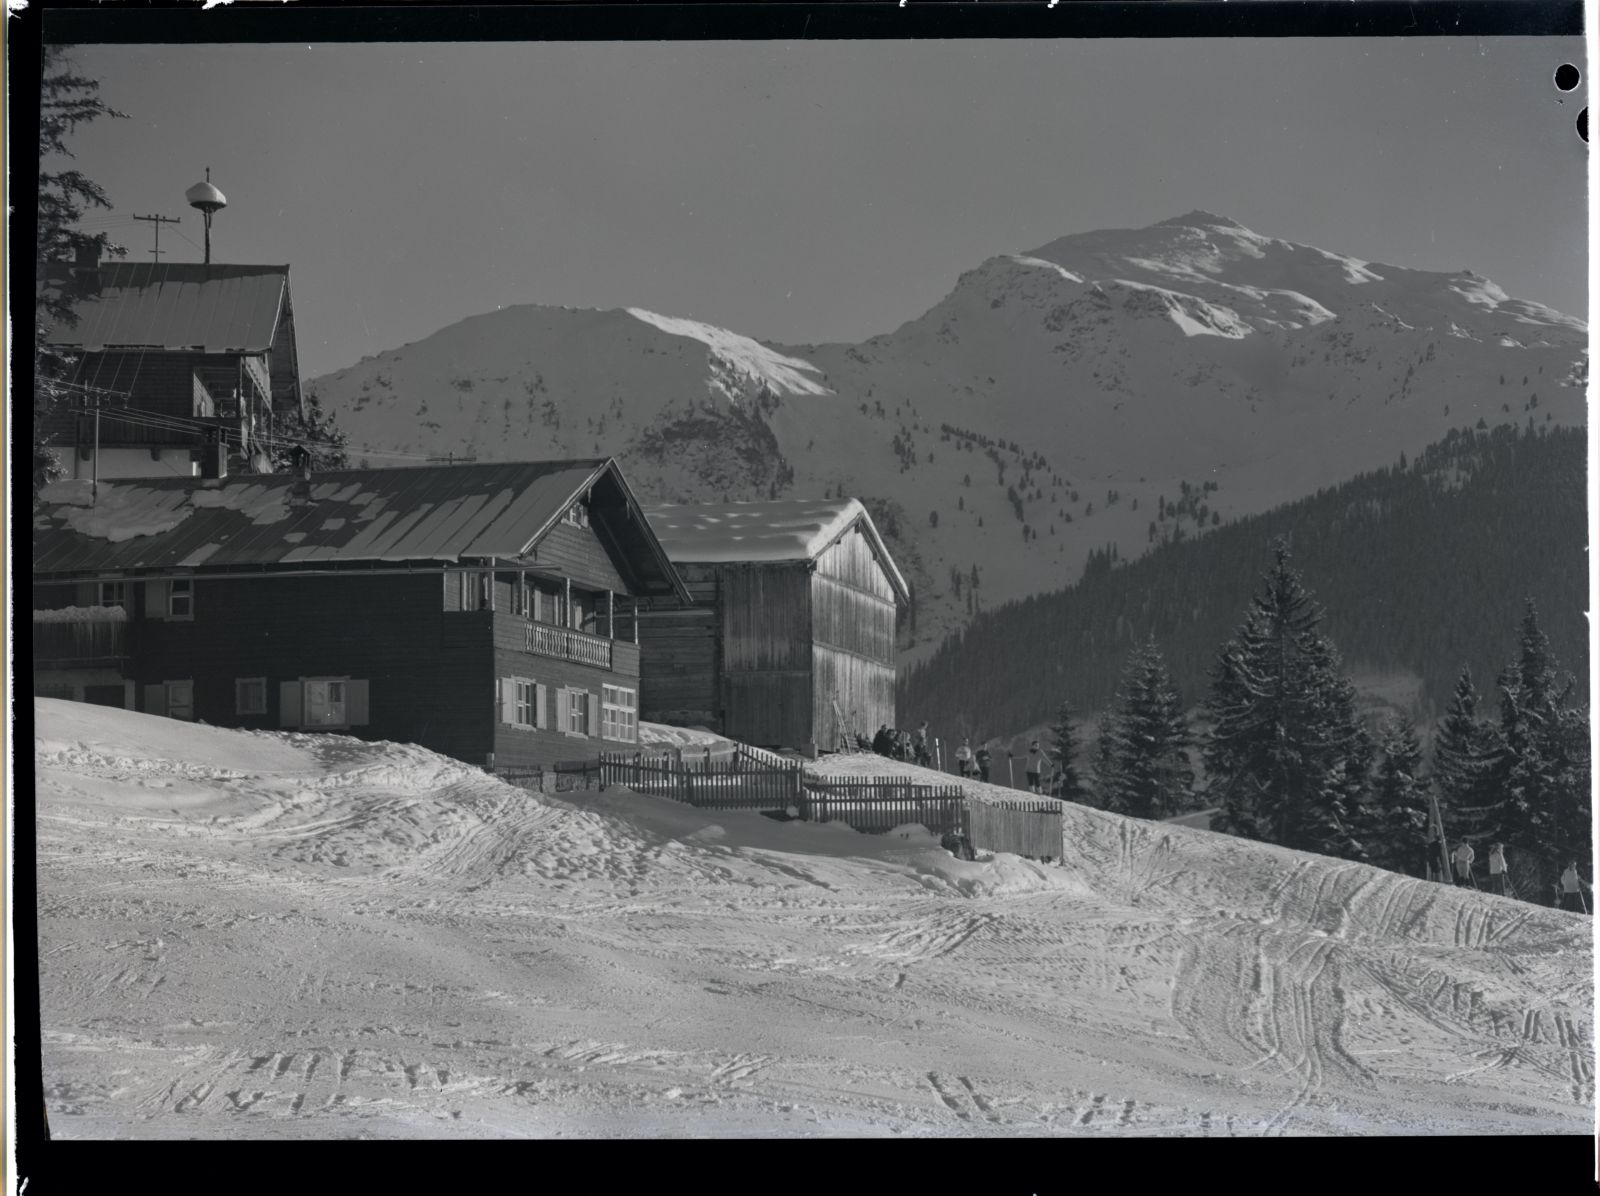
(158,221)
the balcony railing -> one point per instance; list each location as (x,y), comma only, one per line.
(565,644)
(78,643)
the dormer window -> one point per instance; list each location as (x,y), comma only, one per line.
(578,515)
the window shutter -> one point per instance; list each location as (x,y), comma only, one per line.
(289,704)
(508,700)
(562,710)
(541,713)
(594,714)
(155,699)
(356,703)
(155,599)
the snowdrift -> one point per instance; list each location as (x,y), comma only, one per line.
(263,935)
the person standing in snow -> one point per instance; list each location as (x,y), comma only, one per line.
(924,756)
(1035,766)
(1497,869)
(1464,857)
(880,741)
(904,752)
(981,758)
(1572,887)
(964,758)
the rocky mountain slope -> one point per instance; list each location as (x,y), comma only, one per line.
(1113,387)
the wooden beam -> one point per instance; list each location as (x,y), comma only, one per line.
(611,615)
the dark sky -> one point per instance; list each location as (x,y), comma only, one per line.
(805,191)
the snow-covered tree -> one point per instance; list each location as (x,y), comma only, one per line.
(1286,754)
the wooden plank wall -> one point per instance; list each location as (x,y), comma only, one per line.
(576,552)
(429,671)
(680,656)
(766,654)
(853,621)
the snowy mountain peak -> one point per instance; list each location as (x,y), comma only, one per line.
(1200,218)
(781,374)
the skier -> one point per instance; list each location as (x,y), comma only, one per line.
(1497,869)
(964,758)
(1464,857)
(1572,890)
(982,760)
(1034,766)
(923,756)
(906,752)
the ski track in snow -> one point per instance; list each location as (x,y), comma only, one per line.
(351,939)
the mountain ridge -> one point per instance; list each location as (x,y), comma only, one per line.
(1045,407)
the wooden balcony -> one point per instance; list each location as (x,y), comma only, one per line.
(79,643)
(566,644)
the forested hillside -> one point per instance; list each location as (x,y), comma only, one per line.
(1422,568)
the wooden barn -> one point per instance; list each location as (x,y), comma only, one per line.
(791,629)
(484,611)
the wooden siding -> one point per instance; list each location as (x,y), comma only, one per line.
(850,559)
(843,616)
(863,688)
(766,654)
(766,618)
(768,709)
(429,671)
(519,746)
(680,665)
(576,552)
(678,673)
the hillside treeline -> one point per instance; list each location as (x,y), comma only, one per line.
(1422,567)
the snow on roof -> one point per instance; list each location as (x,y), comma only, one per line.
(783,374)
(780,530)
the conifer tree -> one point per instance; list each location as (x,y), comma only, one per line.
(1103,764)
(1063,749)
(1543,766)
(1149,775)
(1465,750)
(1398,825)
(1286,754)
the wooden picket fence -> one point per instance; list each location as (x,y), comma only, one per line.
(875,806)
(732,781)
(1025,828)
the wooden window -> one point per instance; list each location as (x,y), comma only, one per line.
(250,695)
(619,713)
(520,703)
(180,699)
(180,599)
(578,515)
(113,593)
(577,712)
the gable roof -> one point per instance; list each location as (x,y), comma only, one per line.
(179,305)
(436,513)
(766,532)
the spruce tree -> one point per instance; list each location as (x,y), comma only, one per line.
(1466,748)
(1063,749)
(1103,764)
(1398,824)
(1543,766)
(1286,753)
(1149,775)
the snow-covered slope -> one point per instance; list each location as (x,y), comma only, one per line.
(247,935)
(1055,401)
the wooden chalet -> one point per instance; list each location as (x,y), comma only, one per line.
(485,611)
(186,364)
(791,629)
